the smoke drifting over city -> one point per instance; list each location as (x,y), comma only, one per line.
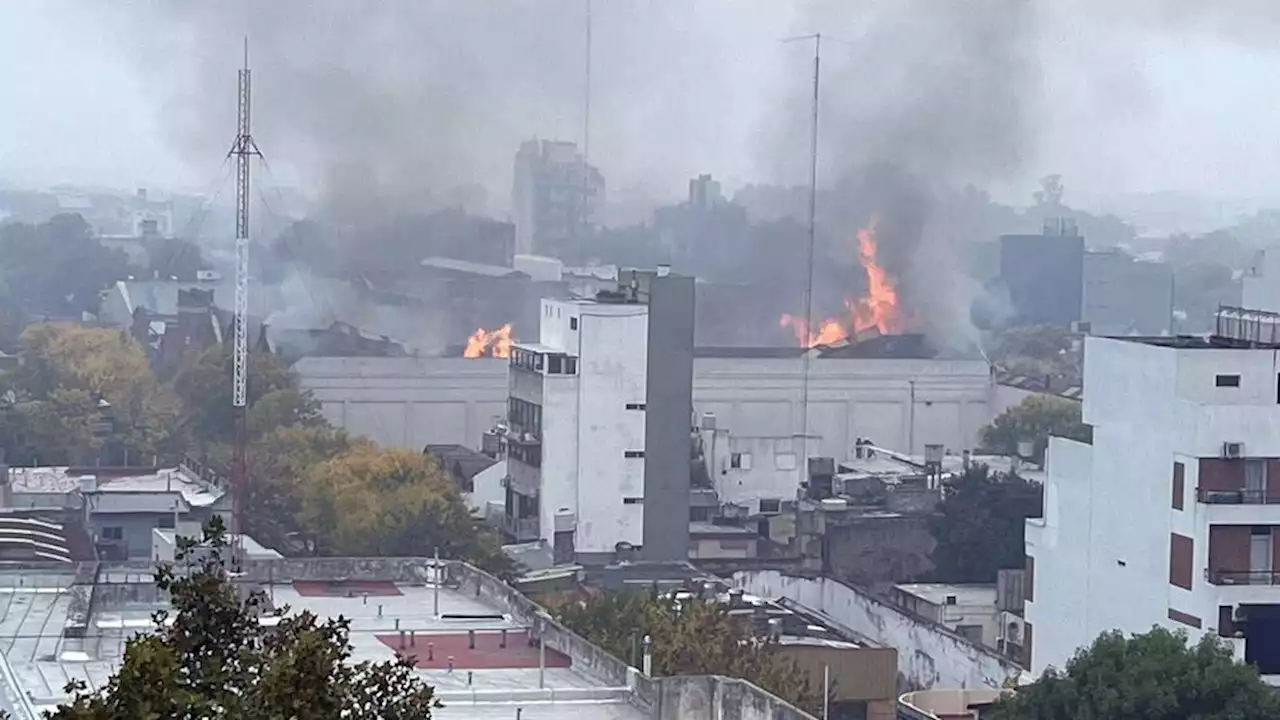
(397,107)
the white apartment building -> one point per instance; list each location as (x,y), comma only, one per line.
(576,428)
(1172,516)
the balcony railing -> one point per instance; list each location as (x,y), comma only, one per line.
(1237,497)
(1244,577)
(522,529)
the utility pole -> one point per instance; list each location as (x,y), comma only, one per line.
(243,149)
(813,233)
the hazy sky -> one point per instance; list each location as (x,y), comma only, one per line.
(121,94)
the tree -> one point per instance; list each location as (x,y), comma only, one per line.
(279,460)
(204,384)
(1154,676)
(217,659)
(980,526)
(372,501)
(689,636)
(56,268)
(1034,420)
(80,390)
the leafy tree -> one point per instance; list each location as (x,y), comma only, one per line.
(216,659)
(279,461)
(1154,676)
(980,526)
(374,501)
(79,388)
(204,384)
(56,268)
(1038,351)
(690,636)
(1034,420)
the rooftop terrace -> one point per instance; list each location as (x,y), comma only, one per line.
(472,638)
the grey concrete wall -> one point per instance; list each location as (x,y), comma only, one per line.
(695,697)
(668,410)
(929,655)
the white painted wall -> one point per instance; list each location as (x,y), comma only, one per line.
(1102,550)
(612,371)
(929,655)
(1260,286)
(415,401)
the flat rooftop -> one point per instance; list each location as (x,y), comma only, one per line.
(491,679)
(937,593)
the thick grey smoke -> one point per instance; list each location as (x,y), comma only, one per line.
(918,99)
(388,106)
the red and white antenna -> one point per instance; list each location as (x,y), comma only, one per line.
(243,149)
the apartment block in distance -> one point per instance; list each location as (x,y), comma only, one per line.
(1172,516)
(599,423)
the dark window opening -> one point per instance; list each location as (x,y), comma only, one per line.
(633,501)
(635,406)
(571,366)
(633,453)
(113,533)
(573,323)
(555,365)
(1227,380)
(770,505)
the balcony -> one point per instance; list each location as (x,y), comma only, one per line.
(1244,577)
(1246,587)
(1241,507)
(521,529)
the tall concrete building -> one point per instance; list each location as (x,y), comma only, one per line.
(1044,274)
(599,423)
(1126,296)
(555,197)
(1170,516)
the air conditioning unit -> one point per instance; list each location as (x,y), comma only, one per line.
(1012,628)
(1233,450)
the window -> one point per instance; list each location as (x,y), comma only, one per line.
(555,365)
(1179,479)
(1181,551)
(633,501)
(112,533)
(573,323)
(635,406)
(740,460)
(950,600)
(165,522)
(571,366)
(1227,380)
(633,453)
(770,505)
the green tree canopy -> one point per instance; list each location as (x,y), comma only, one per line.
(204,384)
(1154,676)
(690,636)
(56,268)
(981,525)
(217,659)
(373,501)
(1034,420)
(78,389)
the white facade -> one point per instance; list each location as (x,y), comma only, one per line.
(968,610)
(589,476)
(1121,516)
(1260,286)
(896,403)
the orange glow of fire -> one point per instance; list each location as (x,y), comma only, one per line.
(876,312)
(494,343)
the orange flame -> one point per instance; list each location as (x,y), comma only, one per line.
(495,343)
(876,312)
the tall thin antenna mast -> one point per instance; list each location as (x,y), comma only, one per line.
(813,232)
(243,148)
(586,105)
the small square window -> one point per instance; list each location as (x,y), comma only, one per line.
(635,406)
(633,501)
(633,453)
(573,323)
(1227,381)
(768,505)
(113,533)
(740,461)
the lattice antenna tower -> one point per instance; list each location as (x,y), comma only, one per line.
(243,149)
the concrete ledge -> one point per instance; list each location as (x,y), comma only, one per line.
(713,696)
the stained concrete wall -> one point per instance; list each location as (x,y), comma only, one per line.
(693,697)
(929,655)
